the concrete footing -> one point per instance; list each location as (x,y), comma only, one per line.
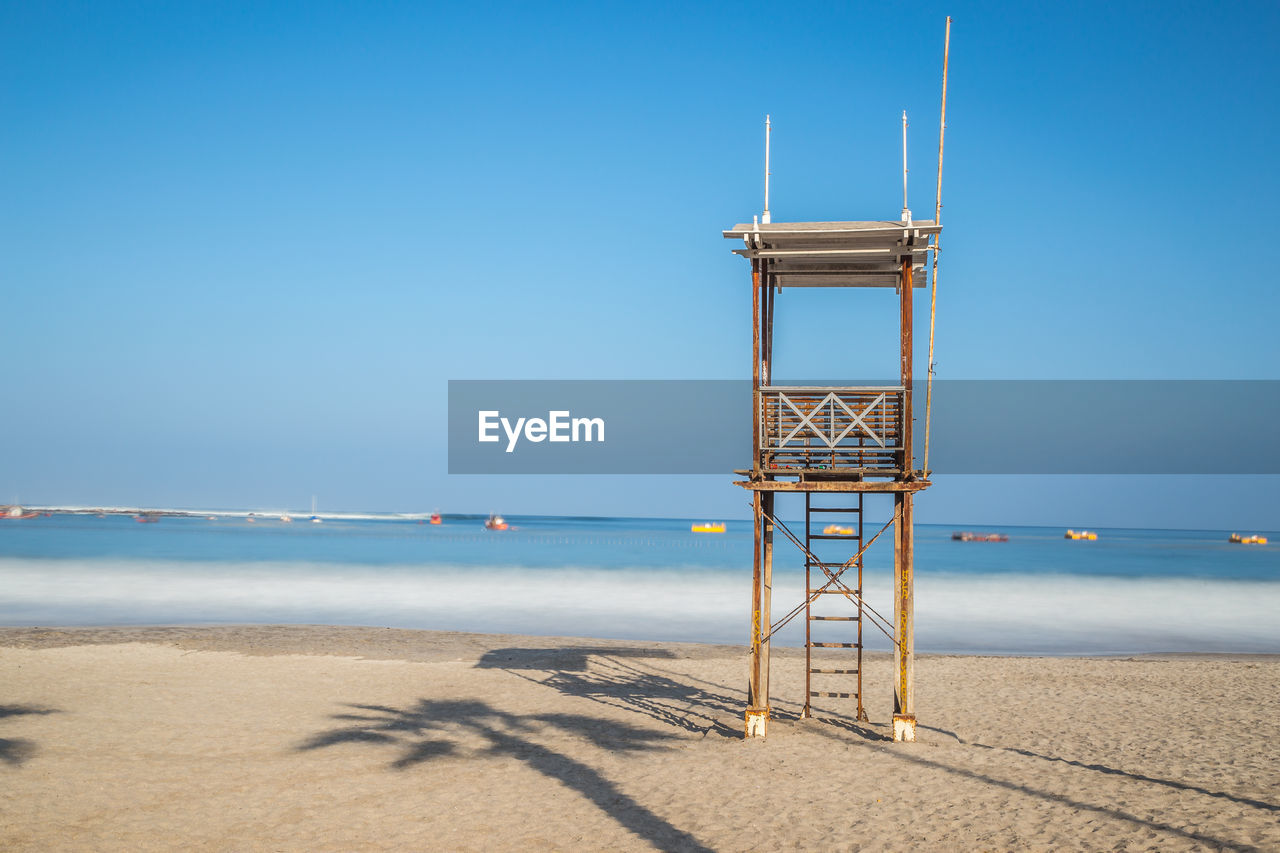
(757,722)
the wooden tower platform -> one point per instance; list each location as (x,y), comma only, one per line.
(834,444)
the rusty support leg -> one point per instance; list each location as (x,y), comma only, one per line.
(766,593)
(808,614)
(862,711)
(757,715)
(904,707)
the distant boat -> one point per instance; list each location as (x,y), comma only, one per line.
(496,522)
(1080,534)
(286,518)
(837,530)
(315,519)
(969,536)
(16,512)
(708,527)
(436,518)
(1255,539)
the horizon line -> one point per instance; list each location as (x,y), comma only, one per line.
(381,515)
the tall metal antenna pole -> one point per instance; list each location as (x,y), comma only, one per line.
(766,218)
(937,220)
(906,210)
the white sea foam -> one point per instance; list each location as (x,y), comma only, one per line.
(1053,614)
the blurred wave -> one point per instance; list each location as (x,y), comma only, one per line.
(985,613)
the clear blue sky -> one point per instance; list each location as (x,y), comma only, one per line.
(243,247)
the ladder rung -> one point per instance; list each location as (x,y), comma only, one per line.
(834,618)
(835,671)
(833,695)
(834,592)
(835,645)
(848,537)
(834,509)
(821,565)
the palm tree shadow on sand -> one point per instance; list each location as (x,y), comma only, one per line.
(431,729)
(17,751)
(627,679)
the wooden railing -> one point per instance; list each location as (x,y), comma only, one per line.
(831,428)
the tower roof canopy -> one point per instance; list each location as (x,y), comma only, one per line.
(836,254)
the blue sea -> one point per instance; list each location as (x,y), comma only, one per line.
(1131,591)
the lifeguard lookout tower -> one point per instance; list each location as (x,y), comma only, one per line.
(833,445)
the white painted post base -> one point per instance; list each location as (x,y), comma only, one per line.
(757,722)
(904,728)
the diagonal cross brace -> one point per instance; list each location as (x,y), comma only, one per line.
(832,579)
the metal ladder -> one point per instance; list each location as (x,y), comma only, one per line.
(815,577)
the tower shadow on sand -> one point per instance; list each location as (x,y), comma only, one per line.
(630,679)
(616,677)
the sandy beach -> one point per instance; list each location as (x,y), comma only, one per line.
(322,738)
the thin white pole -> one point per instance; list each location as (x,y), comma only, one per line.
(906,210)
(766,218)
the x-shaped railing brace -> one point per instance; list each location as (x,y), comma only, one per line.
(854,417)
